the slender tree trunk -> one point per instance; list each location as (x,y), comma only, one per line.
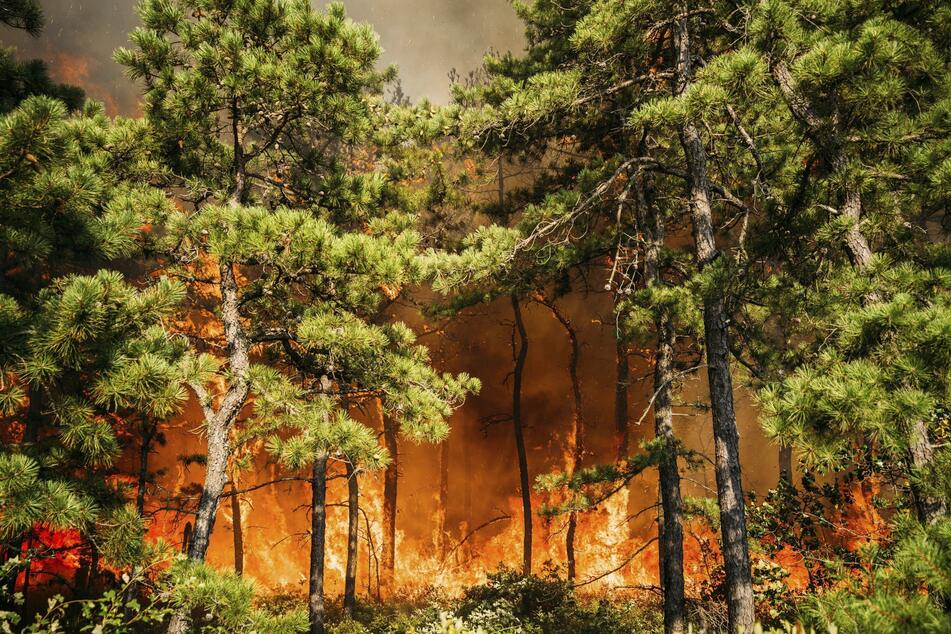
(88,573)
(523,477)
(671,540)
(237,529)
(218,424)
(390,480)
(186,537)
(25,588)
(441,536)
(930,508)
(467,480)
(621,390)
(34,416)
(785,464)
(670,522)
(318,538)
(739,581)
(578,431)
(145,449)
(216,475)
(353,533)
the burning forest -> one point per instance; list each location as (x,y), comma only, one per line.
(646,328)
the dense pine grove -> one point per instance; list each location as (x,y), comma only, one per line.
(759,186)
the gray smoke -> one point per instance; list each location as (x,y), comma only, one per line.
(425,38)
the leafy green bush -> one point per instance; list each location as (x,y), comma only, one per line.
(510,602)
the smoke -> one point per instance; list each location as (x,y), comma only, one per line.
(424,38)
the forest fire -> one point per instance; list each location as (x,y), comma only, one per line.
(647,329)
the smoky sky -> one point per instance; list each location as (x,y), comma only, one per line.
(424,38)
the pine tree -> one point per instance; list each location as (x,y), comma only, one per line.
(82,355)
(272,112)
(863,88)
(233,92)
(22,14)
(19,80)
(563,98)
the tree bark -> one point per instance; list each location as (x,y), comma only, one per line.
(353,533)
(785,464)
(621,390)
(578,443)
(671,540)
(523,477)
(466,481)
(318,537)
(148,429)
(441,535)
(25,588)
(237,529)
(215,478)
(390,480)
(220,422)
(670,522)
(739,582)
(929,508)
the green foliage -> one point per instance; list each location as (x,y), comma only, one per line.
(505,602)
(279,71)
(217,601)
(278,107)
(589,487)
(509,601)
(825,125)
(20,80)
(80,353)
(882,369)
(71,186)
(22,14)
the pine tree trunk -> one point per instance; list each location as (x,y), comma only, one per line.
(145,449)
(353,533)
(670,520)
(578,442)
(218,424)
(237,529)
(466,481)
(523,476)
(785,464)
(25,588)
(318,537)
(390,478)
(739,581)
(216,475)
(34,416)
(826,139)
(929,508)
(441,535)
(621,389)
(671,540)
